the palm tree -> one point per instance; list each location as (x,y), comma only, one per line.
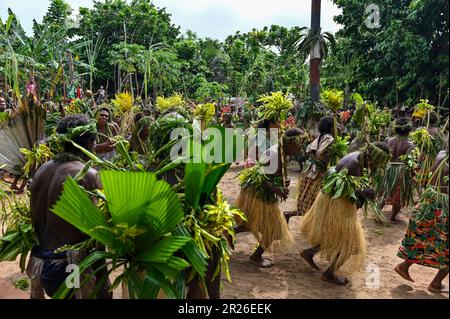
(315,44)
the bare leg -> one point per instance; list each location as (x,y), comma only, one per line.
(436,285)
(258,260)
(239,229)
(331,277)
(395,210)
(308,256)
(290,214)
(22,187)
(403,270)
(14,183)
(381,205)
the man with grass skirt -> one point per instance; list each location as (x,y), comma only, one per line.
(331,226)
(259,197)
(47,267)
(397,186)
(426,239)
(310,180)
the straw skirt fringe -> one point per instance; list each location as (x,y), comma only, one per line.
(264,220)
(333,225)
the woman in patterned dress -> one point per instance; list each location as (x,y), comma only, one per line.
(426,239)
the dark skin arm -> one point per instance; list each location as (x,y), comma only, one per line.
(105,147)
(108,145)
(281,192)
(437,163)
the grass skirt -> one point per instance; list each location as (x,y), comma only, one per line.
(333,225)
(398,185)
(265,220)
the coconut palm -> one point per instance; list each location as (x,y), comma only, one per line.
(316,44)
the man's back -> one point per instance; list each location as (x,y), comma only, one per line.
(352,163)
(399,146)
(52,231)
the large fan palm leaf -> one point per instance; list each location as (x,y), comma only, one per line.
(25,127)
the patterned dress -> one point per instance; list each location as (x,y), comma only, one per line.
(426,239)
(310,181)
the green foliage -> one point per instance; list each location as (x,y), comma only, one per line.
(338,149)
(253,180)
(139,236)
(403,60)
(35,157)
(22,284)
(421,109)
(18,232)
(205,111)
(212,226)
(171,103)
(123,103)
(333,99)
(342,184)
(275,106)
(57,14)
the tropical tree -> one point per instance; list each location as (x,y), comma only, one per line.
(314,43)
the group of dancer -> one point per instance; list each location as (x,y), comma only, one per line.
(328,198)
(329,193)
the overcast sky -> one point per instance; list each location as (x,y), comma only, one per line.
(207,18)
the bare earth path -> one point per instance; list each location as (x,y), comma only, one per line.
(291,277)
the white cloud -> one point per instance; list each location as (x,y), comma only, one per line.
(208,18)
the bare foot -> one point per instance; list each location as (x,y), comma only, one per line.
(341,281)
(289,214)
(240,229)
(309,258)
(403,272)
(261,262)
(442,289)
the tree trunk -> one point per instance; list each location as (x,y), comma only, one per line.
(194,288)
(137,84)
(315,58)
(119,74)
(130,75)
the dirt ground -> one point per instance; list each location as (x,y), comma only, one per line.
(291,277)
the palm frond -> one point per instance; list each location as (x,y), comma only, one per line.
(24,128)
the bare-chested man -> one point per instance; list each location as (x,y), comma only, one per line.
(101,95)
(332,227)
(399,145)
(265,220)
(47,268)
(105,147)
